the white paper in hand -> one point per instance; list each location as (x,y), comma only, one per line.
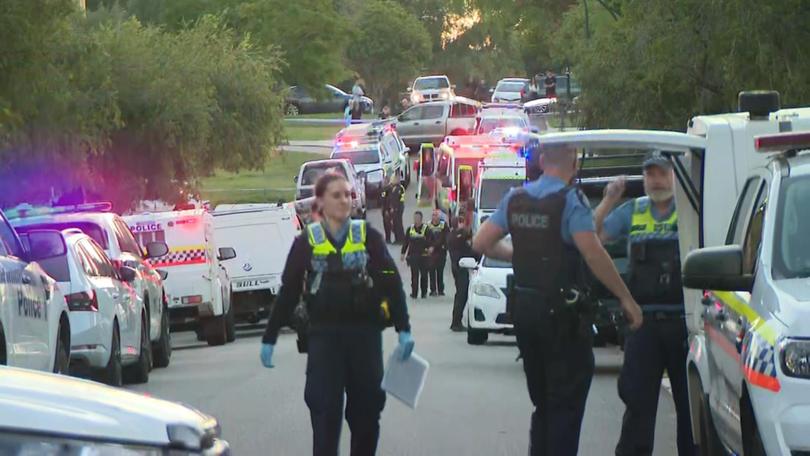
(405,379)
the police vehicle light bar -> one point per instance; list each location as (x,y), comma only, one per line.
(782,142)
(27,210)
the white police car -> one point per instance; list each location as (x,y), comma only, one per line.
(486,301)
(46,414)
(34,324)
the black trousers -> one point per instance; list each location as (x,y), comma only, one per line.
(388,223)
(399,230)
(559,364)
(419,275)
(462,281)
(438,261)
(345,360)
(657,345)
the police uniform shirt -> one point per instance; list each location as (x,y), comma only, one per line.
(381,267)
(577,216)
(618,223)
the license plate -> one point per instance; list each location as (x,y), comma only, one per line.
(247,284)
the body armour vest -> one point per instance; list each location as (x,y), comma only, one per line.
(541,260)
(655,260)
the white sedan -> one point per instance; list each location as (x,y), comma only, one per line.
(52,414)
(486,302)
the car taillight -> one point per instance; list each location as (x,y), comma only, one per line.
(83,301)
(195,299)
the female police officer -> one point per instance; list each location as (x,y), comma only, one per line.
(345,272)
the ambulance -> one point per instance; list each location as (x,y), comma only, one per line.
(746,288)
(263,235)
(197,285)
(497,175)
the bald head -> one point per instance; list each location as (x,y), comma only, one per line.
(559,161)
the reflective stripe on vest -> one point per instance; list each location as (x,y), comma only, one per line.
(417,234)
(645,227)
(436,228)
(353,254)
(401,193)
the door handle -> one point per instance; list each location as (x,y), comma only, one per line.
(437,122)
(416,123)
(116,295)
(26,279)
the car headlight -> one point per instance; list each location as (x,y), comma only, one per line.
(416,98)
(485,289)
(795,356)
(444,95)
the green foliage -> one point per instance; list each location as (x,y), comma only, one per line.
(390,47)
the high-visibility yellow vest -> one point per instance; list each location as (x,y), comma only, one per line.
(353,253)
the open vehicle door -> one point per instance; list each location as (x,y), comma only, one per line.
(427,170)
(464,193)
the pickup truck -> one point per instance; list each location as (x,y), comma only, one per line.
(430,122)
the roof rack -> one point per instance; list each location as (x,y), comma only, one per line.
(26,210)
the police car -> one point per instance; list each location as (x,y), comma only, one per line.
(102,315)
(486,302)
(46,414)
(110,232)
(34,323)
(198,288)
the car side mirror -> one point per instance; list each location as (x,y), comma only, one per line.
(716,268)
(468,263)
(409,89)
(45,244)
(295,179)
(226,253)
(127,274)
(156,249)
(164,274)
(492,90)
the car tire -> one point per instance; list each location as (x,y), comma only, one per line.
(3,354)
(61,363)
(216,330)
(112,373)
(139,372)
(476,336)
(292,110)
(752,440)
(709,441)
(162,350)
(230,325)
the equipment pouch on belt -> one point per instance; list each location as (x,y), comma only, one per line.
(300,321)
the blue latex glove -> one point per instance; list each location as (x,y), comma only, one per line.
(405,344)
(267,355)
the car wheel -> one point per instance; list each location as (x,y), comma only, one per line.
(61,363)
(162,350)
(476,336)
(709,441)
(231,325)
(752,441)
(139,372)
(292,110)
(216,330)
(112,373)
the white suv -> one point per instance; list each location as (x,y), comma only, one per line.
(431,88)
(34,324)
(486,302)
(113,235)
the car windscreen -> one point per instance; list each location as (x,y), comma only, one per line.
(791,249)
(57,267)
(90,229)
(359,157)
(510,86)
(431,84)
(493,263)
(493,191)
(313,172)
(488,125)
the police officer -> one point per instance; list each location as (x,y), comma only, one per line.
(650,226)
(459,244)
(552,233)
(345,272)
(438,255)
(387,215)
(415,250)
(396,200)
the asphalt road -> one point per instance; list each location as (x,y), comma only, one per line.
(474,403)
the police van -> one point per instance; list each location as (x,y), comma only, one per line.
(34,323)
(263,235)
(197,286)
(748,394)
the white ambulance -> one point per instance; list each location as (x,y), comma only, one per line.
(197,286)
(263,235)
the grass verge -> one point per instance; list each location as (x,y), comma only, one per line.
(311,132)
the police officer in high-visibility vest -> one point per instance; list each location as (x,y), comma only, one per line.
(352,290)
(416,251)
(439,232)
(552,239)
(650,225)
(396,200)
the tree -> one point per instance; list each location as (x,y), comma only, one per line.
(390,47)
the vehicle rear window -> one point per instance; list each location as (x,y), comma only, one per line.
(91,229)
(493,191)
(510,86)
(359,157)
(56,267)
(489,125)
(431,84)
(312,173)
